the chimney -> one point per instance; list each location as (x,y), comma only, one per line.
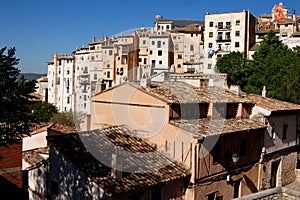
(116,164)
(264,92)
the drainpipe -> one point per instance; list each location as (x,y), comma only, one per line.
(260,169)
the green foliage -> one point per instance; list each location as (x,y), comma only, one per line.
(233,64)
(65,118)
(14,97)
(43,112)
(274,65)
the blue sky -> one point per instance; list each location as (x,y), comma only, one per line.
(40,28)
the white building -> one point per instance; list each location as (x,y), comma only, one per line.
(61,82)
(225,33)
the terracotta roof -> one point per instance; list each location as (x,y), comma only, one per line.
(40,127)
(57,128)
(181,92)
(285,21)
(136,154)
(208,127)
(255,47)
(33,157)
(272,104)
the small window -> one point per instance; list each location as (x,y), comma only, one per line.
(110,52)
(150,52)
(210,45)
(209,66)
(145,60)
(237,44)
(158,44)
(237,33)
(220,25)
(176,46)
(153,43)
(159,53)
(108,74)
(192,48)
(237,22)
(211,34)
(217,154)
(179,66)
(211,24)
(144,41)
(284,131)
(160,62)
(179,56)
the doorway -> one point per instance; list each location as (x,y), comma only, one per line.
(274,172)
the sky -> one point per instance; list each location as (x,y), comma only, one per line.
(40,28)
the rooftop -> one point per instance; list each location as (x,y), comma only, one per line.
(150,167)
(169,92)
(208,127)
(179,22)
(272,104)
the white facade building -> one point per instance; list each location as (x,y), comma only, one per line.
(225,33)
(61,82)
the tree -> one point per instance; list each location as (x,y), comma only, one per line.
(272,66)
(43,112)
(233,64)
(14,98)
(65,118)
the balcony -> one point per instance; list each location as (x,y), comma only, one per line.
(224,28)
(226,39)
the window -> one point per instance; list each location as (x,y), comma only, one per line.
(209,66)
(110,52)
(243,148)
(168,27)
(108,65)
(150,52)
(92,58)
(192,48)
(211,24)
(158,44)
(140,60)
(174,37)
(159,52)
(217,154)
(95,77)
(220,35)
(160,62)
(228,25)
(145,60)
(153,43)
(176,46)
(108,74)
(211,34)
(179,56)
(220,25)
(179,66)
(237,44)
(68,99)
(144,41)
(237,22)
(210,45)
(284,131)
(237,33)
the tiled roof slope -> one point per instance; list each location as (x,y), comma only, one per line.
(209,127)
(33,157)
(272,104)
(180,92)
(137,156)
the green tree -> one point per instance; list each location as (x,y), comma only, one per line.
(272,66)
(233,64)
(14,98)
(43,112)
(65,118)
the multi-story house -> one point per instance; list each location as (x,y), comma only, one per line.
(209,130)
(161,55)
(284,24)
(227,32)
(61,82)
(88,70)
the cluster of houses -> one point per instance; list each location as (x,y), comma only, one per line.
(157,122)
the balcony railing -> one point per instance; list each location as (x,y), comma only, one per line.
(226,39)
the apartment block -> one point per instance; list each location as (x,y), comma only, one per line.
(61,82)
(227,32)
